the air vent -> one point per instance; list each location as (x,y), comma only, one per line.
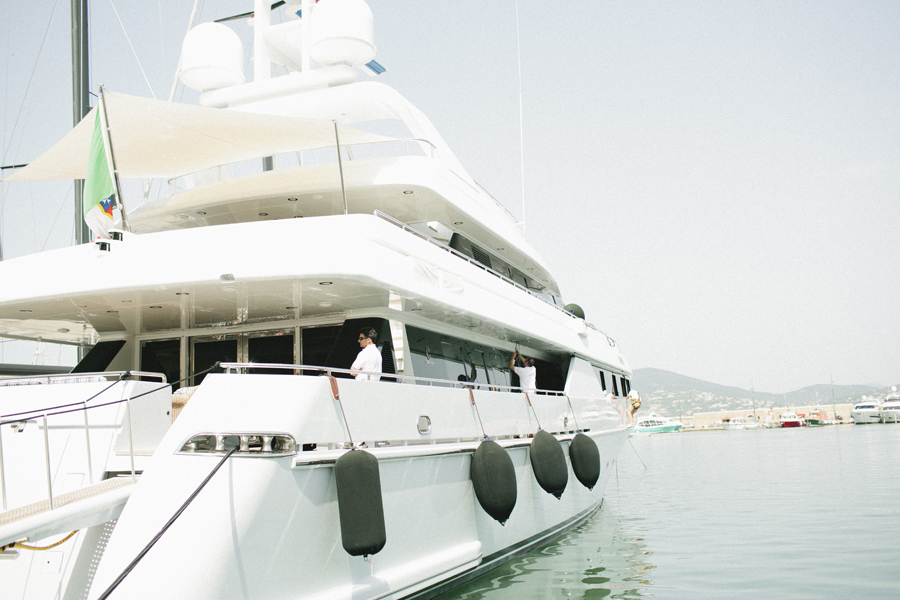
(481,256)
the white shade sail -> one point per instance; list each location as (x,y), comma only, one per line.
(155,138)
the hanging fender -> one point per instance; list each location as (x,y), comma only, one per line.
(548,461)
(360,505)
(494,479)
(585,459)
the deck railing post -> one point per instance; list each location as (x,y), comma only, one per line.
(47,460)
(2,473)
(130,439)
(87,439)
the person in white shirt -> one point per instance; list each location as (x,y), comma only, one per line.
(369,358)
(527,372)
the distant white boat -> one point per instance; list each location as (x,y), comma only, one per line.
(890,410)
(867,411)
(740,423)
(653,423)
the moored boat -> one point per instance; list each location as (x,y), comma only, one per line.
(216,441)
(790,418)
(890,410)
(867,411)
(654,423)
(818,418)
(740,423)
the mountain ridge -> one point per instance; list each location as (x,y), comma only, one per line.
(675,393)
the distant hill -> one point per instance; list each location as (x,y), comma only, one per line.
(671,393)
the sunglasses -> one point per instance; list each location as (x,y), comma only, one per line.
(361,338)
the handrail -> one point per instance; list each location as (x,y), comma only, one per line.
(81,377)
(328,371)
(21,420)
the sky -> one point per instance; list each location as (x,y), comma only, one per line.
(717,184)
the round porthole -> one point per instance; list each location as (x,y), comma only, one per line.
(424,424)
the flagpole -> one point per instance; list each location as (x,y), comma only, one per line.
(107,140)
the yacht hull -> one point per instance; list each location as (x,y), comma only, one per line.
(271,526)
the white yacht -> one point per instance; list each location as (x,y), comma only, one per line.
(654,423)
(890,410)
(212,444)
(867,411)
(747,422)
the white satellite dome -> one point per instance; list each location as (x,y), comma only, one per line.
(342,33)
(212,58)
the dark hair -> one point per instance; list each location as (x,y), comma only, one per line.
(369,333)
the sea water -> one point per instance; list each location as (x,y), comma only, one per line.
(770,513)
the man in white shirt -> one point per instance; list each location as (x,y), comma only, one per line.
(527,372)
(369,358)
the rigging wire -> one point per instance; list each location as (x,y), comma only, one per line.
(62,205)
(34,69)
(128,39)
(165,528)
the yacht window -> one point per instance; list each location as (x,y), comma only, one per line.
(476,357)
(99,357)
(602,379)
(273,349)
(615,387)
(163,356)
(499,369)
(316,344)
(207,351)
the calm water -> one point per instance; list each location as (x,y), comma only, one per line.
(777,513)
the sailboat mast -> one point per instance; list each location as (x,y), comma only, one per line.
(80,100)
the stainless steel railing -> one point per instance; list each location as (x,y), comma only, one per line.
(329,371)
(21,420)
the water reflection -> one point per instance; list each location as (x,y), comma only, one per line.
(595,560)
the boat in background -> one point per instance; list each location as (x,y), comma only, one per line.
(890,410)
(818,418)
(867,411)
(740,423)
(654,423)
(790,418)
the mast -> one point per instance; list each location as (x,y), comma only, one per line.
(80,100)
(753,400)
(833,407)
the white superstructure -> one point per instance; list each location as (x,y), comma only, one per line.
(243,291)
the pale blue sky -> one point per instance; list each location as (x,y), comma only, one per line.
(716,183)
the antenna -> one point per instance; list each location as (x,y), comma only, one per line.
(521,120)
